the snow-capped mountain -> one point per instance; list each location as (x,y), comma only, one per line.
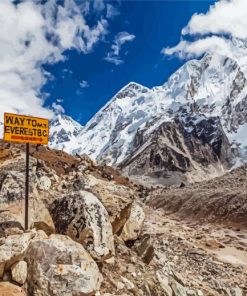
(214,86)
(199,117)
(64,132)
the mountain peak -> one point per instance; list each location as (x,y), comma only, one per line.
(130,90)
(214,86)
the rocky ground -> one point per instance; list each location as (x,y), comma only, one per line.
(92,234)
(222,199)
(209,258)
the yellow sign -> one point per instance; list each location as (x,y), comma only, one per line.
(25,129)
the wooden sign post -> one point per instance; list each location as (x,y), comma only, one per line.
(26,129)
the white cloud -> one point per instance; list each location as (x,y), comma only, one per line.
(185,49)
(84,84)
(57,108)
(98,5)
(225,17)
(67,71)
(113,59)
(34,34)
(214,30)
(114,55)
(111,11)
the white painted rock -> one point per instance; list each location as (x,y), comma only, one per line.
(19,272)
(133,225)
(82,217)
(60,266)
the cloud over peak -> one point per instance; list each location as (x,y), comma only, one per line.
(213,31)
(225,17)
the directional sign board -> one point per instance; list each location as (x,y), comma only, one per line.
(25,129)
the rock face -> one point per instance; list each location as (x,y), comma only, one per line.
(82,217)
(183,150)
(60,266)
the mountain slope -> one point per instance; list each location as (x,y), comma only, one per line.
(63,133)
(171,154)
(214,86)
(204,102)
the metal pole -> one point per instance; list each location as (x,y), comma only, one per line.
(27,186)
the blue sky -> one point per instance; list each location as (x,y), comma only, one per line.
(83,83)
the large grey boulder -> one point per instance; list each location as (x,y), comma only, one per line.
(82,217)
(60,266)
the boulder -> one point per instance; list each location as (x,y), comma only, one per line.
(12,202)
(9,225)
(133,225)
(7,289)
(116,198)
(40,217)
(19,272)
(144,248)
(13,249)
(82,217)
(60,266)
(12,186)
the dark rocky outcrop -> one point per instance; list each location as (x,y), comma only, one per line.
(176,149)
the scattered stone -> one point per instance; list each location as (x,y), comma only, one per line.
(19,272)
(120,286)
(164,283)
(144,248)
(178,289)
(128,284)
(237,291)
